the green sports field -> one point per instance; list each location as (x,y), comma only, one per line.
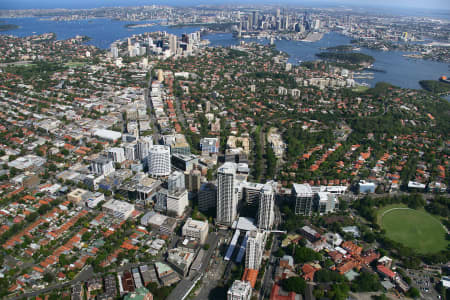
(413,228)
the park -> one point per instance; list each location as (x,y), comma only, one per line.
(413,228)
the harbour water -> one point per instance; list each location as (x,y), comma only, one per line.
(397,69)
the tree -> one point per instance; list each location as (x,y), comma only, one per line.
(49,277)
(324,275)
(366,282)
(413,293)
(303,254)
(294,284)
(339,292)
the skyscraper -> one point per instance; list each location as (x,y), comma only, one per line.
(114,51)
(175,181)
(255,16)
(143,147)
(159,160)
(226,194)
(173,43)
(254,250)
(265,208)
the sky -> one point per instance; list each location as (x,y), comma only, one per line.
(26,4)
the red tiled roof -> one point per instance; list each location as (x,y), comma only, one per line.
(386,271)
(250,275)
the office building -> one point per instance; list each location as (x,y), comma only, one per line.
(240,290)
(116,154)
(177,201)
(184,162)
(196,229)
(226,194)
(209,145)
(303,198)
(159,160)
(266,207)
(325,202)
(193,180)
(254,251)
(207,197)
(175,181)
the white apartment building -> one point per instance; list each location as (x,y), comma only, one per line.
(102,166)
(143,147)
(226,194)
(116,154)
(266,207)
(255,248)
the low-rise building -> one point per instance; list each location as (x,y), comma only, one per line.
(196,229)
(119,209)
(139,294)
(240,290)
(77,196)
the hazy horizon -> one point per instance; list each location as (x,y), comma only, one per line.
(79,4)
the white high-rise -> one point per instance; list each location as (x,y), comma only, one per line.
(240,290)
(226,194)
(254,250)
(102,166)
(116,154)
(130,151)
(159,160)
(173,43)
(114,51)
(143,147)
(265,207)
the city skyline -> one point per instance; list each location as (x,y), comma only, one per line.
(72,4)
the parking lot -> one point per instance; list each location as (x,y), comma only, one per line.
(423,281)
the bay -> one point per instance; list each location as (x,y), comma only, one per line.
(102,32)
(397,69)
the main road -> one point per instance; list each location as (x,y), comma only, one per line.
(151,111)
